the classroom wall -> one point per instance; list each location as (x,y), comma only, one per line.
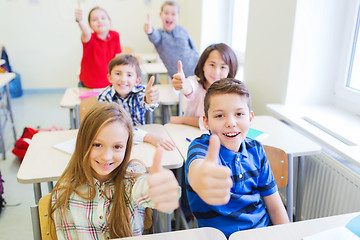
(268,51)
(43,39)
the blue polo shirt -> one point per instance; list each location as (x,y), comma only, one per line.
(252,178)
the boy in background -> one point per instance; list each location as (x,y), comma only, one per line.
(172,42)
(125,89)
(229,182)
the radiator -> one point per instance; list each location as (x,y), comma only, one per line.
(330,188)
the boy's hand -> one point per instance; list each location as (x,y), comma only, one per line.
(148,28)
(179,81)
(159,141)
(78,12)
(151,93)
(163,186)
(211,181)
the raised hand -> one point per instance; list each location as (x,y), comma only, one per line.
(148,28)
(163,186)
(78,12)
(179,81)
(211,181)
(151,93)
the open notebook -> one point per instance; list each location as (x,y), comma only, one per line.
(350,231)
(256,134)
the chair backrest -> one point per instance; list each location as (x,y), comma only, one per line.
(279,164)
(85,106)
(126,49)
(47,226)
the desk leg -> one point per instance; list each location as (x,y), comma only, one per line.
(3,150)
(300,188)
(10,110)
(290,188)
(35,219)
(37,192)
(72,119)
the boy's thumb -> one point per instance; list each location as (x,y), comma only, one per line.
(180,69)
(79,4)
(213,150)
(150,83)
(156,166)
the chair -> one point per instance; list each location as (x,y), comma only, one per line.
(47,226)
(279,164)
(85,106)
(126,49)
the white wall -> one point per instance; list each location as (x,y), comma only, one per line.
(268,49)
(43,40)
(320,55)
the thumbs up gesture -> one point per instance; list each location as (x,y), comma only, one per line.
(211,181)
(163,186)
(78,12)
(179,81)
(148,28)
(151,93)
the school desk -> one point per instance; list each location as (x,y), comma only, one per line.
(155,68)
(148,57)
(7,113)
(167,98)
(296,230)
(278,134)
(44,163)
(206,233)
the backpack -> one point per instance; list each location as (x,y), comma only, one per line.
(22,144)
(2,200)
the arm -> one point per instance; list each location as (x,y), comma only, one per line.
(211,181)
(192,121)
(276,209)
(84,27)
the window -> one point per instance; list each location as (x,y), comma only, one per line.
(348,88)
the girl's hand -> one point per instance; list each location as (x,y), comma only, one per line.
(151,93)
(179,81)
(163,186)
(148,28)
(159,141)
(211,181)
(78,13)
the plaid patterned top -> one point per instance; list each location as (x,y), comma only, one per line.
(134,104)
(87,219)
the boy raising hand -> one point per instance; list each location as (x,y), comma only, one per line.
(230,185)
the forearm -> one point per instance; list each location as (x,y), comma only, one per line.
(85,31)
(276,209)
(192,121)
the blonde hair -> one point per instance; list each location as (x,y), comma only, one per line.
(78,172)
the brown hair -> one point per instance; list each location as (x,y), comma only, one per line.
(227,55)
(125,59)
(226,86)
(171,3)
(95,8)
(79,173)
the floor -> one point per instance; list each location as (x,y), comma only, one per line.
(30,110)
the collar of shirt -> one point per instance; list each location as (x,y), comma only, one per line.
(115,95)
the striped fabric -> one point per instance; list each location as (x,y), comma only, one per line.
(252,179)
(87,219)
(134,104)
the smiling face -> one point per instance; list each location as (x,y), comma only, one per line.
(99,21)
(229,118)
(214,68)
(108,150)
(124,78)
(169,17)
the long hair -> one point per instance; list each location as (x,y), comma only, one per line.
(227,55)
(79,173)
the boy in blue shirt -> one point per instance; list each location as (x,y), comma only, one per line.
(126,90)
(172,42)
(229,182)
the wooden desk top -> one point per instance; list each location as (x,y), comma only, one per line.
(296,230)
(5,78)
(153,68)
(206,233)
(44,163)
(167,94)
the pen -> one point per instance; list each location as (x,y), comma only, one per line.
(188,139)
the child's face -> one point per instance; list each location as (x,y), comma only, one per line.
(108,150)
(229,118)
(124,78)
(169,17)
(99,21)
(215,68)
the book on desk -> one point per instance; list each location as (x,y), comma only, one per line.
(256,134)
